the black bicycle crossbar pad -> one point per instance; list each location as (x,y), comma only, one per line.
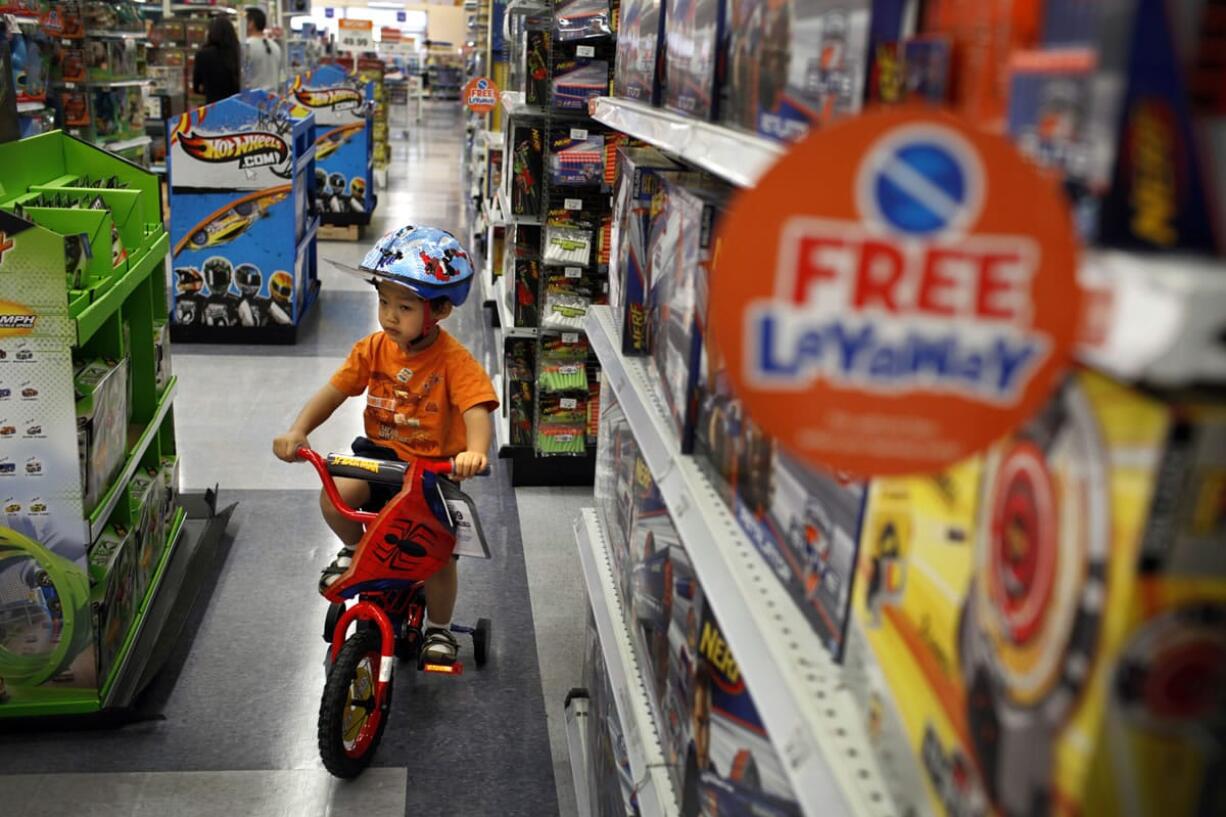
(385,472)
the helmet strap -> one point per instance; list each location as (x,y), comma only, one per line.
(429,328)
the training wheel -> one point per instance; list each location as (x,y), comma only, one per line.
(481,641)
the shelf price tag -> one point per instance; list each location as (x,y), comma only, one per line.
(356,35)
(578,134)
(574,272)
(570,337)
(568,403)
(585,51)
(573,204)
(925,304)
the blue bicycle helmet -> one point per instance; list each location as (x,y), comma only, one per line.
(426,260)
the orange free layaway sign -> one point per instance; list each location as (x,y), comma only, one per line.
(896,293)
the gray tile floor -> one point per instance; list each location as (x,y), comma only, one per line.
(229,728)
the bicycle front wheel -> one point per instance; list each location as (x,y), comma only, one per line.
(351,721)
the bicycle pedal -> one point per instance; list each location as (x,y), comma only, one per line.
(455,668)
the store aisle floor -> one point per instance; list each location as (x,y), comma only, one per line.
(230,727)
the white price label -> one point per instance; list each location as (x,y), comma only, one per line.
(570,337)
(568,403)
(573,204)
(578,134)
(355,35)
(585,51)
(574,272)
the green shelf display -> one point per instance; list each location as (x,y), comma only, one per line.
(88,469)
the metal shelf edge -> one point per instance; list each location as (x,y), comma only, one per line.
(654,788)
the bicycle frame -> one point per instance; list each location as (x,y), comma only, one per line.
(404,544)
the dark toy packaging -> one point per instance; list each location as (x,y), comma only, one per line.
(525,170)
(242,235)
(721,757)
(641,172)
(639,72)
(683,244)
(794,64)
(577,80)
(617,455)
(693,32)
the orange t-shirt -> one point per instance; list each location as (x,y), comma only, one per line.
(415,403)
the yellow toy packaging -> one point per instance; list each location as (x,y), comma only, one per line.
(1040,641)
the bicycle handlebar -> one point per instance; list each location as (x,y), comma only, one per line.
(334,495)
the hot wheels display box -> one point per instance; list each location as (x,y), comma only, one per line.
(693,30)
(639,69)
(343,106)
(243,236)
(1024,644)
(793,64)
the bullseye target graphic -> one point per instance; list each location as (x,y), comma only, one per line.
(1036,608)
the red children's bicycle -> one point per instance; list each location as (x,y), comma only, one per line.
(382,597)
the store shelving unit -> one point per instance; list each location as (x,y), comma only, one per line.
(579,746)
(798,689)
(739,157)
(647,763)
(107,313)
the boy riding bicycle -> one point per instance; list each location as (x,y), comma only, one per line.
(426,396)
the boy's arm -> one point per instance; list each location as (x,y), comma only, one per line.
(318,409)
(479,430)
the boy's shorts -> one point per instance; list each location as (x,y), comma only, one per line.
(380,494)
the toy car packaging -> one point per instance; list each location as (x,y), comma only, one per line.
(242,236)
(682,246)
(793,64)
(640,173)
(1025,643)
(725,760)
(112,579)
(102,424)
(146,494)
(639,71)
(693,30)
(344,145)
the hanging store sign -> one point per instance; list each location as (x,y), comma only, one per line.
(356,35)
(911,303)
(480,95)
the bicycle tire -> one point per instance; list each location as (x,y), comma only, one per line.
(342,761)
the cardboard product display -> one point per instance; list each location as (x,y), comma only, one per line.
(241,222)
(693,31)
(1025,637)
(793,65)
(639,70)
(343,108)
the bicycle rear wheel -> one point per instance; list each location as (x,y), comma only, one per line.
(351,722)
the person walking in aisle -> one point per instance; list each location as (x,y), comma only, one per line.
(262,63)
(217,63)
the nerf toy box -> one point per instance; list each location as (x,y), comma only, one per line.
(720,754)
(102,424)
(1025,625)
(640,173)
(793,64)
(525,170)
(682,246)
(112,579)
(639,70)
(617,455)
(693,30)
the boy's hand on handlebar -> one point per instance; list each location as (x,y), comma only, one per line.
(469,463)
(286,445)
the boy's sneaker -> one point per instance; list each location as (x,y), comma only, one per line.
(344,558)
(440,646)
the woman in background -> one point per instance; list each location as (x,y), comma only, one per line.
(216,74)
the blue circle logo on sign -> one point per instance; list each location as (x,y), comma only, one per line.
(921,181)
